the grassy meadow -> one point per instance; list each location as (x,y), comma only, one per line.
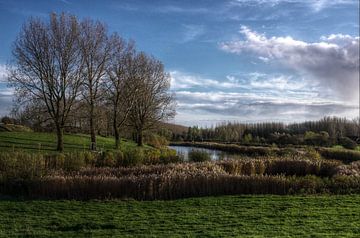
(226,216)
(46,142)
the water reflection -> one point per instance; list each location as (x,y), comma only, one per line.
(214,154)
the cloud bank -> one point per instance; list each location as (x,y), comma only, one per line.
(252,97)
(333,62)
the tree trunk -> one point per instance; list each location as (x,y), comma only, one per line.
(60,139)
(116,130)
(117,138)
(92,128)
(140,138)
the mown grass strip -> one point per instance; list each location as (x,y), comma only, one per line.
(227,216)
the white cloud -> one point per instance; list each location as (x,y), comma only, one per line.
(6,94)
(333,62)
(205,108)
(180,80)
(252,97)
(250,81)
(3,73)
(191,32)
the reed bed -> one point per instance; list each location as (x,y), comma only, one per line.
(352,169)
(182,180)
(178,185)
(88,177)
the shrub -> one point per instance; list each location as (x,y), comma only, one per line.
(347,143)
(90,157)
(169,156)
(199,156)
(20,165)
(119,157)
(312,154)
(151,156)
(344,155)
(74,161)
(156,140)
(133,156)
(107,159)
(319,139)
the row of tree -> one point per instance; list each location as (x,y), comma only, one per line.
(271,131)
(64,67)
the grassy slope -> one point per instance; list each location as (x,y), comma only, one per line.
(32,141)
(245,216)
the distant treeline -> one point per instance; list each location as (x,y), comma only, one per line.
(327,131)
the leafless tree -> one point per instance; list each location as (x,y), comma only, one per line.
(48,66)
(153,103)
(120,87)
(95,51)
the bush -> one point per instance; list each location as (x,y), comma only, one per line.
(169,156)
(347,143)
(106,159)
(312,154)
(199,156)
(344,155)
(319,139)
(90,158)
(133,156)
(156,140)
(74,161)
(119,157)
(20,165)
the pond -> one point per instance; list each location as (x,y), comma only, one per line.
(214,154)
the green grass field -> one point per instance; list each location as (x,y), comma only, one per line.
(46,142)
(228,216)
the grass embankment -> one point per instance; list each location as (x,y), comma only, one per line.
(46,142)
(227,216)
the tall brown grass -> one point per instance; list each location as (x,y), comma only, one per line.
(179,185)
(78,176)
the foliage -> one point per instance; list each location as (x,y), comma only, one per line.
(19,165)
(199,156)
(321,133)
(156,140)
(347,143)
(319,139)
(344,155)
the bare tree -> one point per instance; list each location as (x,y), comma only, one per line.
(154,103)
(48,67)
(95,50)
(120,87)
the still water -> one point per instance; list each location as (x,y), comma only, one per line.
(214,154)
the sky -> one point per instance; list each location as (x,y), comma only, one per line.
(230,60)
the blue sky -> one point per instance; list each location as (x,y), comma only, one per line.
(231,60)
